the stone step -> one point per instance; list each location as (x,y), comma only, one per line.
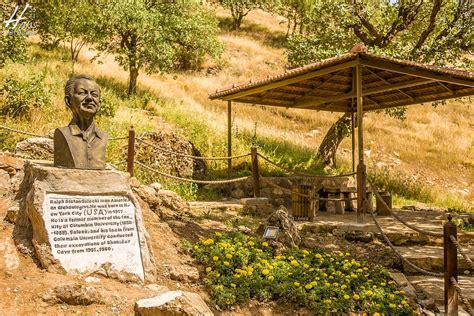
(431,258)
(434,287)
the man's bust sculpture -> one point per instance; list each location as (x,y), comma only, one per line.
(81,144)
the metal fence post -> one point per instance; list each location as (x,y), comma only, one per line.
(255,172)
(131,151)
(450,268)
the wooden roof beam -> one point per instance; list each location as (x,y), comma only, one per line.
(446,87)
(276,84)
(366,92)
(388,82)
(413,71)
(385,105)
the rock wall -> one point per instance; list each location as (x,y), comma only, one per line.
(278,196)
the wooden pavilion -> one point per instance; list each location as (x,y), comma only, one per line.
(354,82)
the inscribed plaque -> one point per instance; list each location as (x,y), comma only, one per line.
(86,231)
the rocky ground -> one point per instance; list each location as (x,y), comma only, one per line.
(26,288)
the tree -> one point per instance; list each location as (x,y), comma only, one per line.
(296,12)
(12,37)
(240,8)
(157,35)
(438,32)
(70,22)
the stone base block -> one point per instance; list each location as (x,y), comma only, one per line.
(84,222)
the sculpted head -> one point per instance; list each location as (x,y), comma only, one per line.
(82,96)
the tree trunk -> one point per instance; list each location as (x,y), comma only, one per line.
(333,138)
(132,83)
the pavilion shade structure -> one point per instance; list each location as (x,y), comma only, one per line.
(355,82)
(328,85)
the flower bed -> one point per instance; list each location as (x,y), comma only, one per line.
(239,267)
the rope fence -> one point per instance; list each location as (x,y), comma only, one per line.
(167,175)
(462,251)
(389,243)
(302,173)
(464,300)
(384,204)
(22,132)
(189,156)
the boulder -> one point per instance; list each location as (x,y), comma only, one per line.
(288,234)
(153,153)
(36,147)
(172,303)
(83,221)
(183,273)
(10,164)
(74,294)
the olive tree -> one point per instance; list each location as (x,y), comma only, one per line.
(241,8)
(438,32)
(157,36)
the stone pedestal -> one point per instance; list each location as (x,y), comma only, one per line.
(84,222)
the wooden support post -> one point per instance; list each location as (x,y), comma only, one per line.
(353,141)
(450,269)
(229,138)
(361,172)
(131,151)
(255,172)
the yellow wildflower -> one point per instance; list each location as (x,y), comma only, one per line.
(215,258)
(270,277)
(306,266)
(264,244)
(251,243)
(327,302)
(391,305)
(208,269)
(294,263)
(228,256)
(233,285)
(356,296)
(376,314)
(404,302)
(346,297)
(296,283)
(218,234)
(226,263)
(369,293)
(318,256)
(305,252)
(308,286)
(343,287)
(265,271)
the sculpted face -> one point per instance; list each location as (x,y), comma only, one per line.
(84,100)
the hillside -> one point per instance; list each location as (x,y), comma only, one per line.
(433,149)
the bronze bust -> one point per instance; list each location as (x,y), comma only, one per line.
(81,144)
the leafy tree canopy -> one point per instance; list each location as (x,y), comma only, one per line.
(438,31)
(157,35)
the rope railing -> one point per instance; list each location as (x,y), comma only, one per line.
(302,173)
(141,140)
(384,204)
(389,243)
(167,175)
(22,132)
(284,189)
(462,297)
(462,251)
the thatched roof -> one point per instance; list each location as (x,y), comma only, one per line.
(328,85)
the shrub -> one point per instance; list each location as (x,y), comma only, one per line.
(20,96)
(108,107)
(12,46)
(239,267)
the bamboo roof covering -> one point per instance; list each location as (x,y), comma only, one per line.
(328,85)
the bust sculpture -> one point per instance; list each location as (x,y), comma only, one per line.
(81,144)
